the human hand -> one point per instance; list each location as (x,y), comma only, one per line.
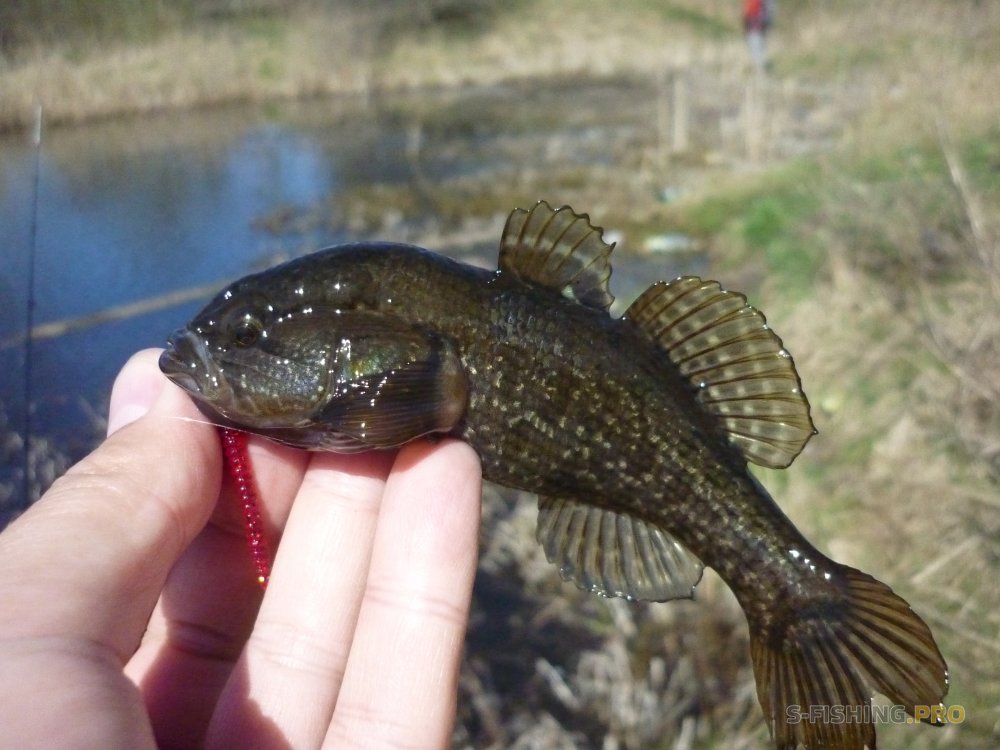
(130,615)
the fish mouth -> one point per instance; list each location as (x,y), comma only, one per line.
(181,360)
(189,364)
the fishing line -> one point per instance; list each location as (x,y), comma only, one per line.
(192,420)
(210,423)
(29,339)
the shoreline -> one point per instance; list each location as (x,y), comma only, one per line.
(311,54)
(875,72)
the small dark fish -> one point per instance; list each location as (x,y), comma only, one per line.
(635,433)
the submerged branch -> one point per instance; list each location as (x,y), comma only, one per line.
(62,327)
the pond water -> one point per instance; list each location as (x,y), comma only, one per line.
(129,211)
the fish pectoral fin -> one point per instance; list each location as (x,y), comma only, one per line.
(387,409)
(615,554)
(559,249)
(738,367)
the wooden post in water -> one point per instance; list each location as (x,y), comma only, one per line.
(681,119)
(672,114)
(662,118)
(754,116)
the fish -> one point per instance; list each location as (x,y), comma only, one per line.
(635,432)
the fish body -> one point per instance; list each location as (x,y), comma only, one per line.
(635,433)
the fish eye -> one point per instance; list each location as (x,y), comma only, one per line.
(247,330)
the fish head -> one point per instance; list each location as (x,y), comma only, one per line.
(315,365)
(251,362)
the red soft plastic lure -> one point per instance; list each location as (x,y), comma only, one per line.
(238,462)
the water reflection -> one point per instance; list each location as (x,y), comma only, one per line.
(133,209)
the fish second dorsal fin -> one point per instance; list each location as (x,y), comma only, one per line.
(615,554)
(738,366)
(559,249)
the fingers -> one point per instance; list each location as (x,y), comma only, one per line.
(111,528)
(209,605)
(295,656)
(401,679)
(368,569)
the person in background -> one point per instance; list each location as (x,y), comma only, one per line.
(757,18)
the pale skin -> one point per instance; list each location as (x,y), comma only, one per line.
(130,615)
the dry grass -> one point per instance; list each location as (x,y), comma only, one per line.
(550,666)
(46,462)
(596,39)
(308,54)
(910,62)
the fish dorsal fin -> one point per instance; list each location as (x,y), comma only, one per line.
(736,363)
(615,554)
(559,249)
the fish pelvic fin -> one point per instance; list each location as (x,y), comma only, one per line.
(816,671)
(559,249)
(737,366)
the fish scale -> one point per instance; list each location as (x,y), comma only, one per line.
(635,433)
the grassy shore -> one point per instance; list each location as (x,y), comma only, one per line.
(307,49)
(942,53)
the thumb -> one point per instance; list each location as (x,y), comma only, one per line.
(90,557)
(136,389)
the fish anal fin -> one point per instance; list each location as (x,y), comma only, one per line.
(737,365)
(615,554)
(825,662)
(559,249)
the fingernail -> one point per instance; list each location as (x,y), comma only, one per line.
(124,415)
(136,389)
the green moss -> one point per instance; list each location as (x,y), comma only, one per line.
(797,264)
(702,23)
(860,56)
(771,220)
(788,218)
(787,187)
(771,226)
(269,69)
(76,25)
(917,161)
(765,221)
(267,28)
(981,158)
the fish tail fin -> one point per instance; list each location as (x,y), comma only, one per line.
(817,667)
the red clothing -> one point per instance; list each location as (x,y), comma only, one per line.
(755,15)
